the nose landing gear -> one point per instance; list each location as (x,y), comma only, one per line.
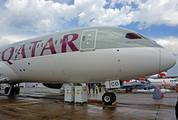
(109,98)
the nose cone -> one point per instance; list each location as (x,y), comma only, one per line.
(167,60)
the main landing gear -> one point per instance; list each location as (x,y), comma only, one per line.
(12,90)
(109,98)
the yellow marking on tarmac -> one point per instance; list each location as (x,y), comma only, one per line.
(20,104)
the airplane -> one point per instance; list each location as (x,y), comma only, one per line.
(164,82)
(129,86)
(162,75)
(82,55)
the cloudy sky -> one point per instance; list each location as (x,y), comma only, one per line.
(156,19)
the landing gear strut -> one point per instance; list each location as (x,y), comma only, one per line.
(109,98)
(12,90)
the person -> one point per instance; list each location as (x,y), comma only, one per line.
(100,88)
(89,87)
(96,88)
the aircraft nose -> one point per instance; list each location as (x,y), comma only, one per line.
(167,60)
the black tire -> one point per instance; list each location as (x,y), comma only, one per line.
(107,98)
(113,96)
(12,91)
(6,90)
(16,90)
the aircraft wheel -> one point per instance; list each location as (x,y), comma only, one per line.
(12,91)
(6,90)
(16,90)
(114,96)
(108,98)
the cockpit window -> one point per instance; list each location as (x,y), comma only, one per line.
(132,36)
(142,36)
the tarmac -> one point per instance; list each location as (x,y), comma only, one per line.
(48,104)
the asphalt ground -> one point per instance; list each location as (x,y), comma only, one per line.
(48,104)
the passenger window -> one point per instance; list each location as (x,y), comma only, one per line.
(37,45)
(55,42)
(46,44)
(60,41)
(41,44)
(66,40)
(29,49)
(33,47)
(50,44)
(83,39)
(132,36)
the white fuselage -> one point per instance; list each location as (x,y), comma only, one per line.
(83,58)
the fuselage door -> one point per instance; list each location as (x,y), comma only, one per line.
(88,40)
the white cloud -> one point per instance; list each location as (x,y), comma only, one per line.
(33,14)
(36,15)
(89,9)
(8,39)
(170,43)
(4,41)
(114,17)
(19,17)
(157,12)
(40,15)
(146,13)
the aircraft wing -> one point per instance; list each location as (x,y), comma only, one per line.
(145,86)
(137,85)
(128,85)
(131,84)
